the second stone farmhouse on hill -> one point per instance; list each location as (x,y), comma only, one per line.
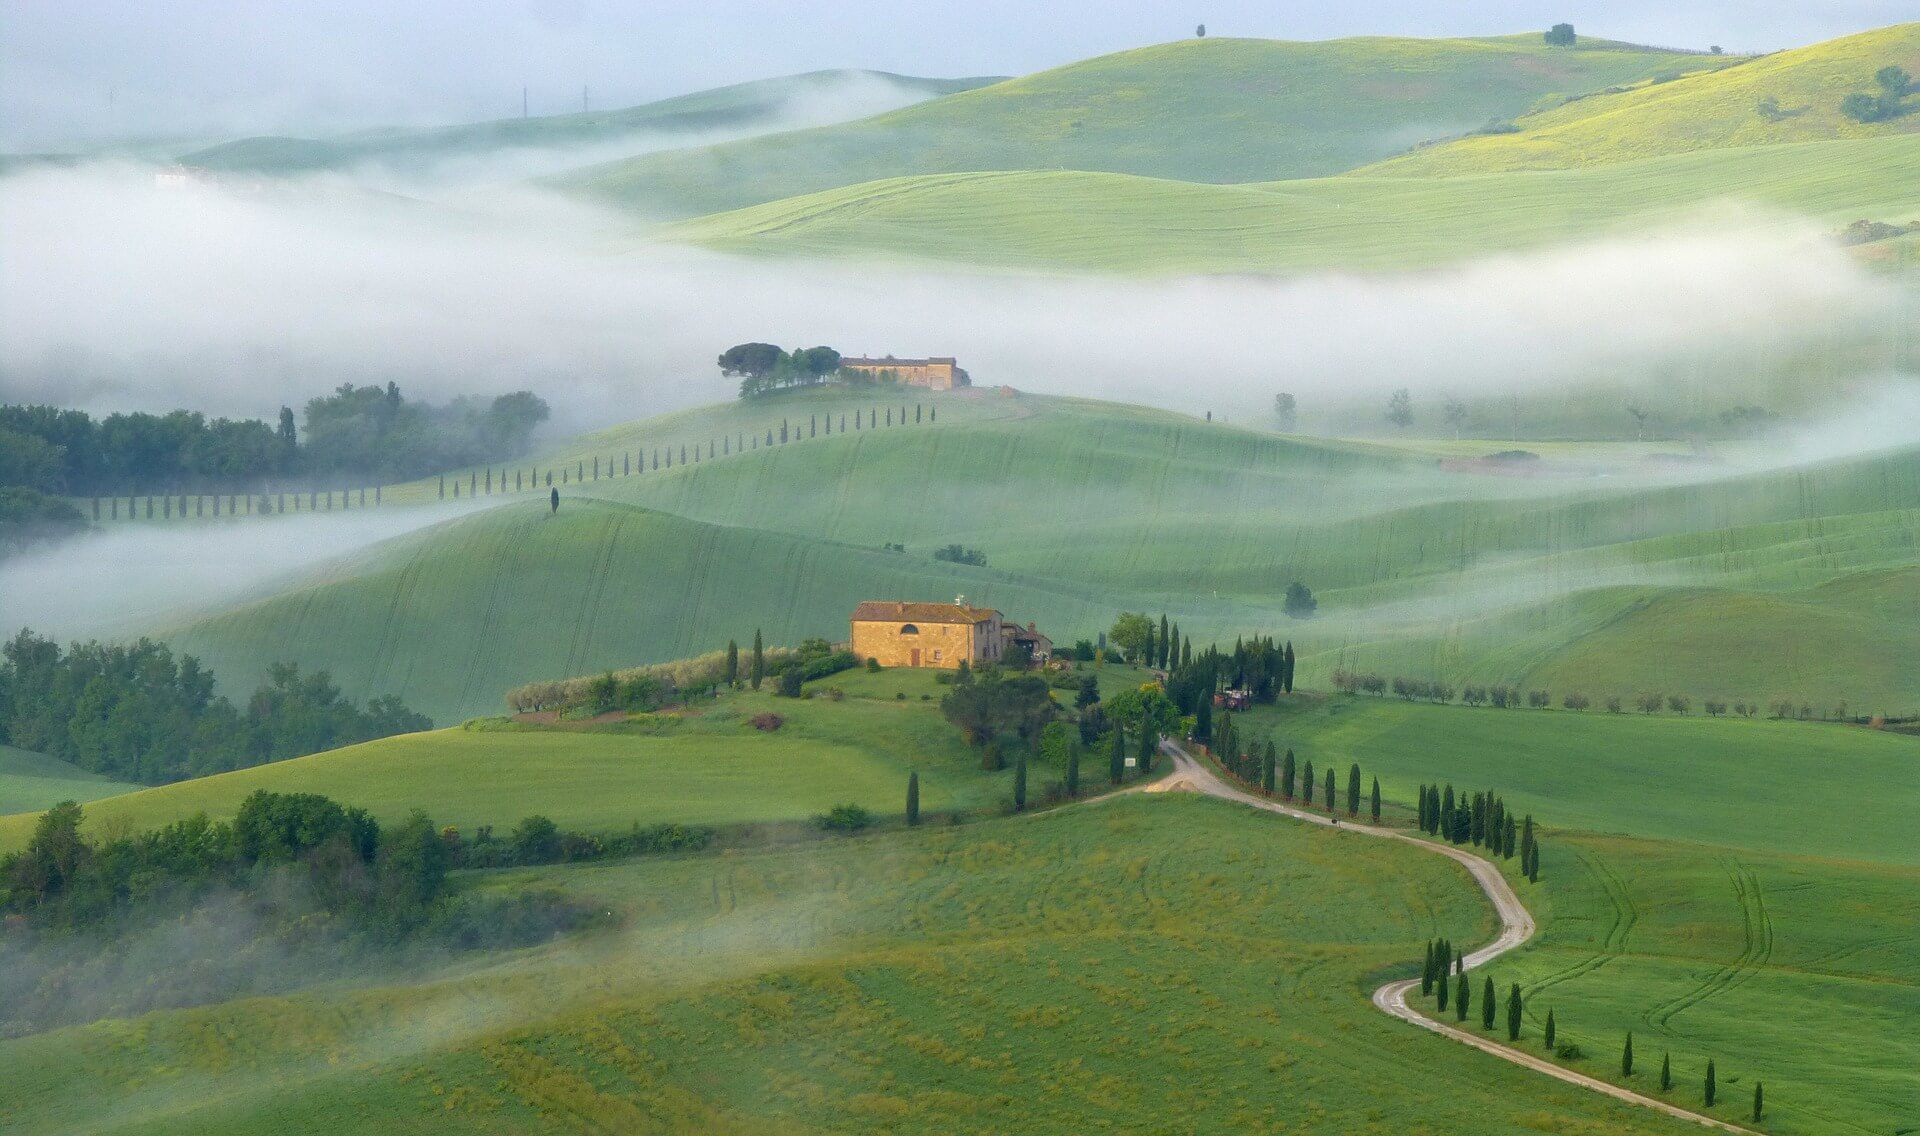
(903,634)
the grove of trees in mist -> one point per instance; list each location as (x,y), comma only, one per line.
(140,713)
(362,434)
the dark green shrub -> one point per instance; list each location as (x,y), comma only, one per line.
(843,818)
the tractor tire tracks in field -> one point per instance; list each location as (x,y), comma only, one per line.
(1516,927)
(1754,954)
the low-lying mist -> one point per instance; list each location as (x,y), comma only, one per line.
(117,294)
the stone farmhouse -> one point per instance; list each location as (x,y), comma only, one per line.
(934,374)
(938,635)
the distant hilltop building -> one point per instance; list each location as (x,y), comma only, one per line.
(939,635)
(933,374)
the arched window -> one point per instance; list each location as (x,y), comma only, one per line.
(909,629)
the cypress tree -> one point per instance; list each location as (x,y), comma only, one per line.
(1353,790)
(1073,770)
(759,665)
(1666,1071)
(1203,720)
(1513,1012)
(1426,972)
(1446,814)
(1440,983)
(1020,783)
(1286,669)
(1267,770)
(913,797)
(1759,1101)
(1306,783)
(1420,807)
(1286,776)
(1374,802)
(1331,789)
(1533,869)
(1463,997)
(1549,1034)
(1149,742)
(1117,755)
(1148,654)
(733,665)
(1507,842)
(1626,1056)
(1165,649)
(1486,1004)
(1710,1085)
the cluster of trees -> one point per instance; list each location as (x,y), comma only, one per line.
(1512,697)
(763,368)
(368,433)
(29,516)
(955,554)
(1277,775)
(1560,35)
(139,713)
(1893,85)
(1483,821)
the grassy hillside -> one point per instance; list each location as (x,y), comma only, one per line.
(741,106)
(1167,963)
(1702,111)
(1110,222)
(709,765)
(1084,509)
(1210,110)
(1656,776)
(32,781)
(1748,903)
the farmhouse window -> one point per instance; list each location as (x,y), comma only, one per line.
(909,629)
(936,654)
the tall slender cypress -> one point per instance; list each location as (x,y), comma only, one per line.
(1463,997)
(1373,803)
(1548,1037)
(1666,1071)
(1164,648)
(1020,783)
(1626,1056)
(1149,743)
(1513,1012)
(1426,972)
(1711,1087)
(1353,789)
(1759,1101)
(1306,783)
(1286,776)
(1486,1004)
(1331,789)
(1420,806)
(733,664)
(913,797)
(759,665)
(1440,984)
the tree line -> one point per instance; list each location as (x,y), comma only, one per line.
(366,433)
(1512,697)
(1444,978)
(140,713)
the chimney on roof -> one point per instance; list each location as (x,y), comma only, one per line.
(959,601)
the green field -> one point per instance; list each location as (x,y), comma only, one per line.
(741,106)
(1711,110)
(708,766)
(31,781)
(1165,963)
(1754,898)
(1116,222)
(1085,509)
(1202,110)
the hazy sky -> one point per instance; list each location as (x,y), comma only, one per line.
(104,68)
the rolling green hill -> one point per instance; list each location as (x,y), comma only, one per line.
(1720,109)
(1084,509)
(1203,110)
(742,106)
(32,781)
(1109,222)
(1165,962)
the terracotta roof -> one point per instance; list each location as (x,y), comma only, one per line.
(865,361)
(896,611)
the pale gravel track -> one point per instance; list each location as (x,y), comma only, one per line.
(1516,927)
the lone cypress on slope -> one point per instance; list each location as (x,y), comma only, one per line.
(913,797)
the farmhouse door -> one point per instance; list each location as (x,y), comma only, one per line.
(916,656)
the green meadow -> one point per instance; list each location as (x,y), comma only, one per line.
(1150,963)
(1109,222)
(705,765)
(1201,110)
(1084,509)
(31,781)
(1734,889)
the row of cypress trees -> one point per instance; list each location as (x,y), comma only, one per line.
(1444,976)
(1482,820)
(1279,776)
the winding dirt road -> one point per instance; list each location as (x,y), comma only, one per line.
(1516,927)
